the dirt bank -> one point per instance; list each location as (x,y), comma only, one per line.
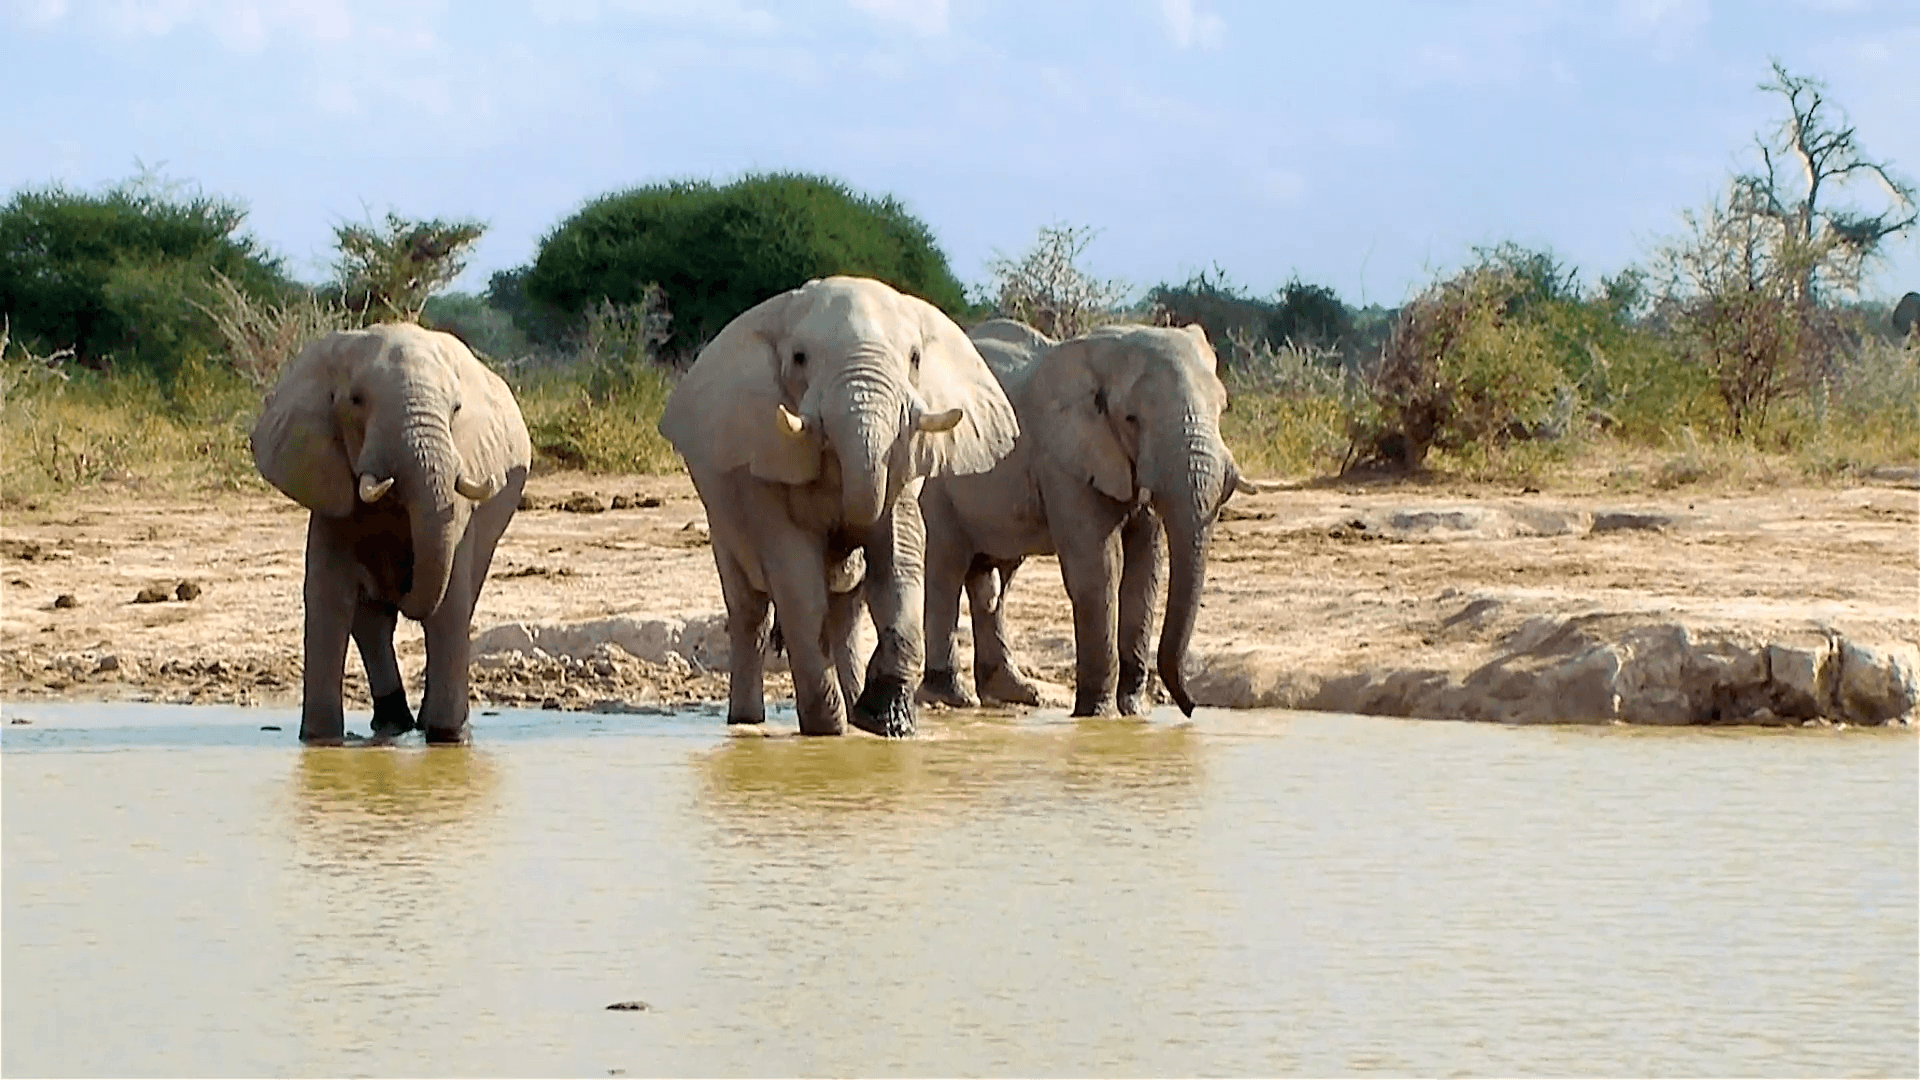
(1670,607)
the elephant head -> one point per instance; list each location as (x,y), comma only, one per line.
(848,367)
(393,412)
(1135,411)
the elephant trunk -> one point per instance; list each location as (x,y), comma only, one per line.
(1186,503)
(435,514)
(862,423)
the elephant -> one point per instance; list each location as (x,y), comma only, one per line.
(1906,317)
(411,456)
(1119,441)
(808,426)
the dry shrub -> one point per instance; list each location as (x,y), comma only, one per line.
(261,336)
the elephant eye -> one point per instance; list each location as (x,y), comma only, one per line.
(914,359)
(357,398)
(799,358)
(456,406)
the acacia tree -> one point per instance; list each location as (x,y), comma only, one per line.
(1047,290)
(387,273)
(1812,158)
(1743,286)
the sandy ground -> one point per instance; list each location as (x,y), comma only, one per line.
(1333,580)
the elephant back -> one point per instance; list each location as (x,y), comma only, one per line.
(1010,349)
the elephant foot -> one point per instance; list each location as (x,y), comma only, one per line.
(942,687)
(442,736)
(732,719)
(885,708)
(390,715)
(1006,685)
(1092,704)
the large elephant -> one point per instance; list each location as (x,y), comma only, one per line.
(412,456)
(808,426)
(1119,437)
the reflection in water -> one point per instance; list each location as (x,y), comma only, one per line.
(1251,895)
(975,766)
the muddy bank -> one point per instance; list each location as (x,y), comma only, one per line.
(1782,607)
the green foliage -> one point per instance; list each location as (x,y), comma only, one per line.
(717,250)
(1460,369)
(1310,315)
(115,275)
(1242,325)
(386,272)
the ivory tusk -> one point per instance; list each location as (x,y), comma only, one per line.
(940,421)
(478,492)
(789,423)
(372,490)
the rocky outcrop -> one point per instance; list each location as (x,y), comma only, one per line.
(1601,668)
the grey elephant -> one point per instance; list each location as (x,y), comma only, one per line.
(1906,317)
(808,425)
(411,455)
(1119,437)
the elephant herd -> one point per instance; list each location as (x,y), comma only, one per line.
(853,448)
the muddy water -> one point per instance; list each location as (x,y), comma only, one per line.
(1252,894)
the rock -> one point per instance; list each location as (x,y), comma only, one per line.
(1876,686)
(532,502)
(188,590)
(1622,521)
(66,600)
(629,1006)
(581,502)
(152,594)
(108,662)
(620,502)
(20,720)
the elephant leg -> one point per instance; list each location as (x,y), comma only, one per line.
(843,630)
(327,596)
(1090,563)
(946,565)
(796,571)
(444,702)
(1140,572)
(746,642)
(994,670)
(373,624)
(896,598)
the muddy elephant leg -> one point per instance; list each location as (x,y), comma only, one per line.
(843,638)
(444,701)
(1090,564)
(995,671)
(373,624)
(896,598)
(946,567)
(746,642)
(796,571)
(1140,561)
(327,596)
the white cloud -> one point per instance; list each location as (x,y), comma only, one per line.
(241,25)
(38,13)
(927,18)
(727,16)
(1188,26)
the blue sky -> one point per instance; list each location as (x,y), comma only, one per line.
(1361,145)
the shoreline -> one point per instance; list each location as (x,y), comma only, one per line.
(1777,608)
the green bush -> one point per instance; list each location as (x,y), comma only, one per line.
(116,275)
(717,250)
(1461,369)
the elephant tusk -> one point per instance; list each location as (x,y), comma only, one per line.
(791,424)
(940,421)
(478,492)
(372,490)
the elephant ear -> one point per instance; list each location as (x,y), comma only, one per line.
(491,435)
(1068,401)
(296,442)
(725,412)
(954,376)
